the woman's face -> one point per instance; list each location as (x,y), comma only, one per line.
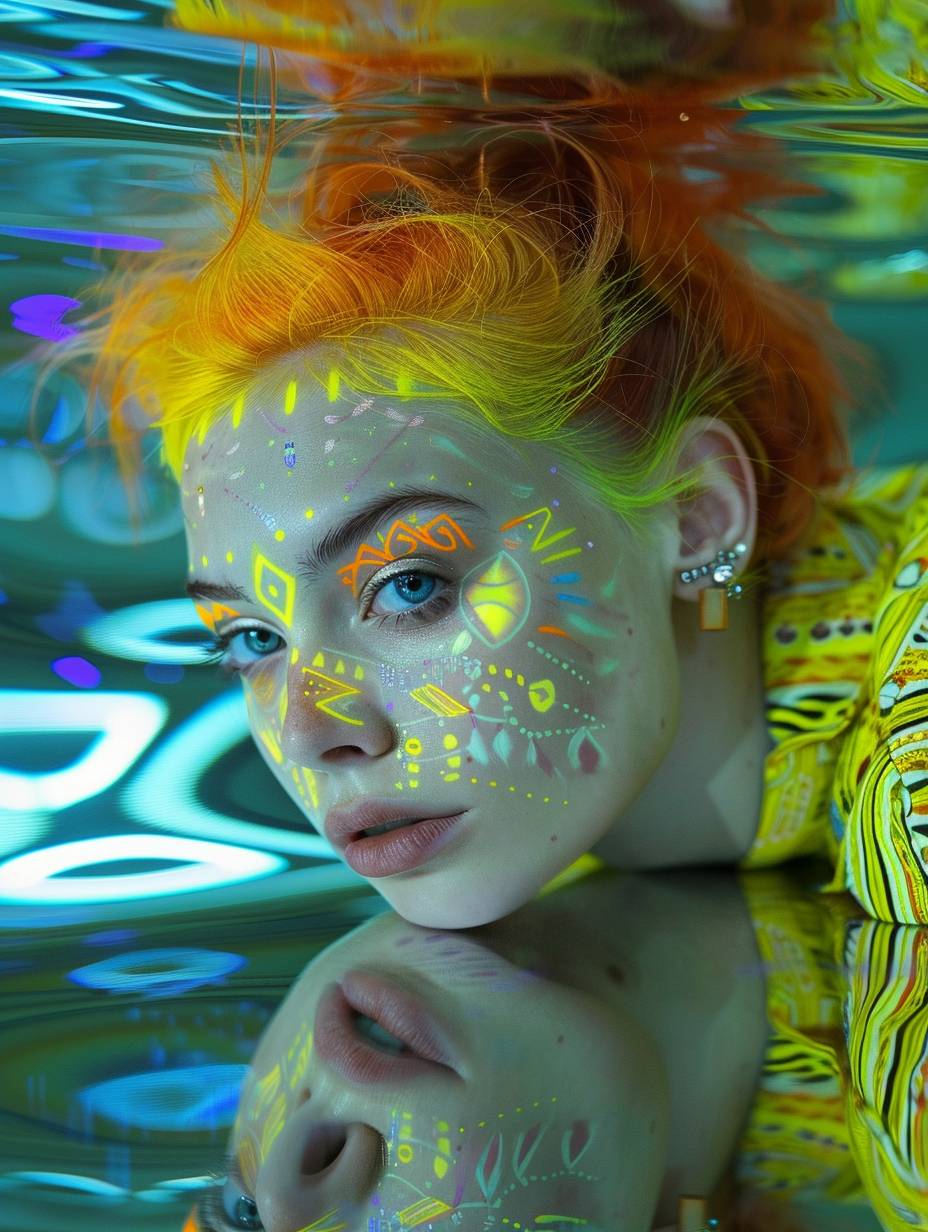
(431,621)
(552,1102)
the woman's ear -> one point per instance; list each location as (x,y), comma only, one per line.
(724,510)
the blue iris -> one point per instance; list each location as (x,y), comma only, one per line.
(411,588)
(257,646)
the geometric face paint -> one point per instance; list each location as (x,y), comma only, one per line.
(495,600)
(274,588)
(524,744)
(442,533)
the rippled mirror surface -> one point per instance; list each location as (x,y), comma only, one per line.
(172,933)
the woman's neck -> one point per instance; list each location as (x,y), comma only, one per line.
(702,805)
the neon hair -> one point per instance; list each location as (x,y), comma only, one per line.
(551,273)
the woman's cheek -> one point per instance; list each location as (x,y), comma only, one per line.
(529,725)
(261,682)
(266,699)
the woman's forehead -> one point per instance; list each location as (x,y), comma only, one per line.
(350,448)
(285,408)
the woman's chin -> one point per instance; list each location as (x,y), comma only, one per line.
(460,914)
(456,898)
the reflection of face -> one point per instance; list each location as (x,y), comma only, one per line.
(491,643)
(558,1106)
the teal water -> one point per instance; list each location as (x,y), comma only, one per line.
(115,755)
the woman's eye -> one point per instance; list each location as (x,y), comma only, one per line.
(404,591)
(230,1208)
(257,642)
(244,1212)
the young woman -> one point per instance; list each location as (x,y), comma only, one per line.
(554,1070)
(475,451)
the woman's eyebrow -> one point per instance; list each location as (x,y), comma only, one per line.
(364,522)
(348,534)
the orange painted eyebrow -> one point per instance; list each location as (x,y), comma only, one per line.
(347,534)
(350,532)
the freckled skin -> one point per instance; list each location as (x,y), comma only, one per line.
(465,705)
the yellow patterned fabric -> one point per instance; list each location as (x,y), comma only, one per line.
(796,1141)
(840,1111)
(846,676)
(886,1015)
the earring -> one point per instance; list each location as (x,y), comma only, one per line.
(713,600)
(691,1216)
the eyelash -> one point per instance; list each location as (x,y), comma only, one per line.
(210,1206)
(430,608)
(211,1203)
(216,647)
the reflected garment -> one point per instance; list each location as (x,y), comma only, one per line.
(840,1112)
(845,632)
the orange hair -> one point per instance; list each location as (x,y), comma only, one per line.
(562,183)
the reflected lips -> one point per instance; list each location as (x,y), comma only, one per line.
(339,1042)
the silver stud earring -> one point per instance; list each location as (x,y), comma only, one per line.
(713,600)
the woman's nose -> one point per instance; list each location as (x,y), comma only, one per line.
(332,718)
(318,1168)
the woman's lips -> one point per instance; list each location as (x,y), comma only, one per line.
(402,849)
(340,1044)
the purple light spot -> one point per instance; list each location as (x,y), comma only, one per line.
(389,707)
(77,671)
(90,239)
(112,936)
(555,503)
(86,51)
(81,263)
(40,315)
(553,470)
(77,607)
(164,673)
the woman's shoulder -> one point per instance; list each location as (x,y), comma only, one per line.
(846,677)
(891,501)
(880,794)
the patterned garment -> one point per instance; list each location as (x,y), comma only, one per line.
(840,1113)
(846,674)
(796,1142)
